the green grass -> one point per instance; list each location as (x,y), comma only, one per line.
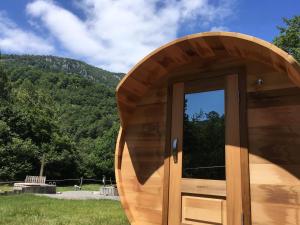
(35,210)
(85,187)
(5,187)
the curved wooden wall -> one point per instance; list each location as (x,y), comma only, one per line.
(140,160)
(273,124)
(203,49)
(274,156)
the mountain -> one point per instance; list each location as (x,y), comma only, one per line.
(58,107)
(63,65)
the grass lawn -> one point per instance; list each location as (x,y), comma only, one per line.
(85,187)
(35,210)
(5,187)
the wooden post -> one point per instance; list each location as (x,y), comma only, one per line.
(81,181)
(42,165)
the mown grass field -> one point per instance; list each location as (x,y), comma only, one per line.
(35,210)
(5,187)
(85,187)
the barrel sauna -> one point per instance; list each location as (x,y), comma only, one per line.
(210,134)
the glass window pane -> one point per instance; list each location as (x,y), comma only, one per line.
(204,136)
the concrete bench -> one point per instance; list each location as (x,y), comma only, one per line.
(35,184)
(109,191)
(35,180)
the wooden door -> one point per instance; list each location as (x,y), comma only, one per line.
(205,185)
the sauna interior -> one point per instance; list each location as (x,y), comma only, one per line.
(210,134)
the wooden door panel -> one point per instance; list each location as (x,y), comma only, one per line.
(204,187)
(198,201)
(199,210)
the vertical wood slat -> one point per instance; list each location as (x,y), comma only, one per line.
(139,158)
(233,152)
(174,214)
(245,175)
(167,154)
(274,156)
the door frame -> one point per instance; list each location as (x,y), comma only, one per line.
(242,163)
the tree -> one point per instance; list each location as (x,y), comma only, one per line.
(70,117)
(28,130)
(4,84)
(289,37)
(204,136)
(105,152)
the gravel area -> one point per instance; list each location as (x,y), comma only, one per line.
(80,195)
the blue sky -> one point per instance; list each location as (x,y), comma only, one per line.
(205,101)
(116,34)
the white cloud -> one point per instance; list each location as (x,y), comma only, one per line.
(115,34)
(66,27)
(219,28)
(15,40)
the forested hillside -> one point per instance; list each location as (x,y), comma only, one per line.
(57,107)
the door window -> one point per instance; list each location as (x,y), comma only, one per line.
(204,135)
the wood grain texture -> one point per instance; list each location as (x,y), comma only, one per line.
(167,157)
(139,160)
(204,187)
(245,175)
(203,48)
(174,215)
(273,109)
(275,214)
(233,152)
(198,210)
(274,145)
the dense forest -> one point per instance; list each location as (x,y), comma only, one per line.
(60,108)
(204,146)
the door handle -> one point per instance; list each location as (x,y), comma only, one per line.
(175,149)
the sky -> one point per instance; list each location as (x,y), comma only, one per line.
(205,102)
(116,34)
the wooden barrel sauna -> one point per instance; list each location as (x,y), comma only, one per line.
(166,172)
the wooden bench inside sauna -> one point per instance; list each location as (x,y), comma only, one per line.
(210,134)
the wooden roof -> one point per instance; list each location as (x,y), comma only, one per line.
(200,48)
